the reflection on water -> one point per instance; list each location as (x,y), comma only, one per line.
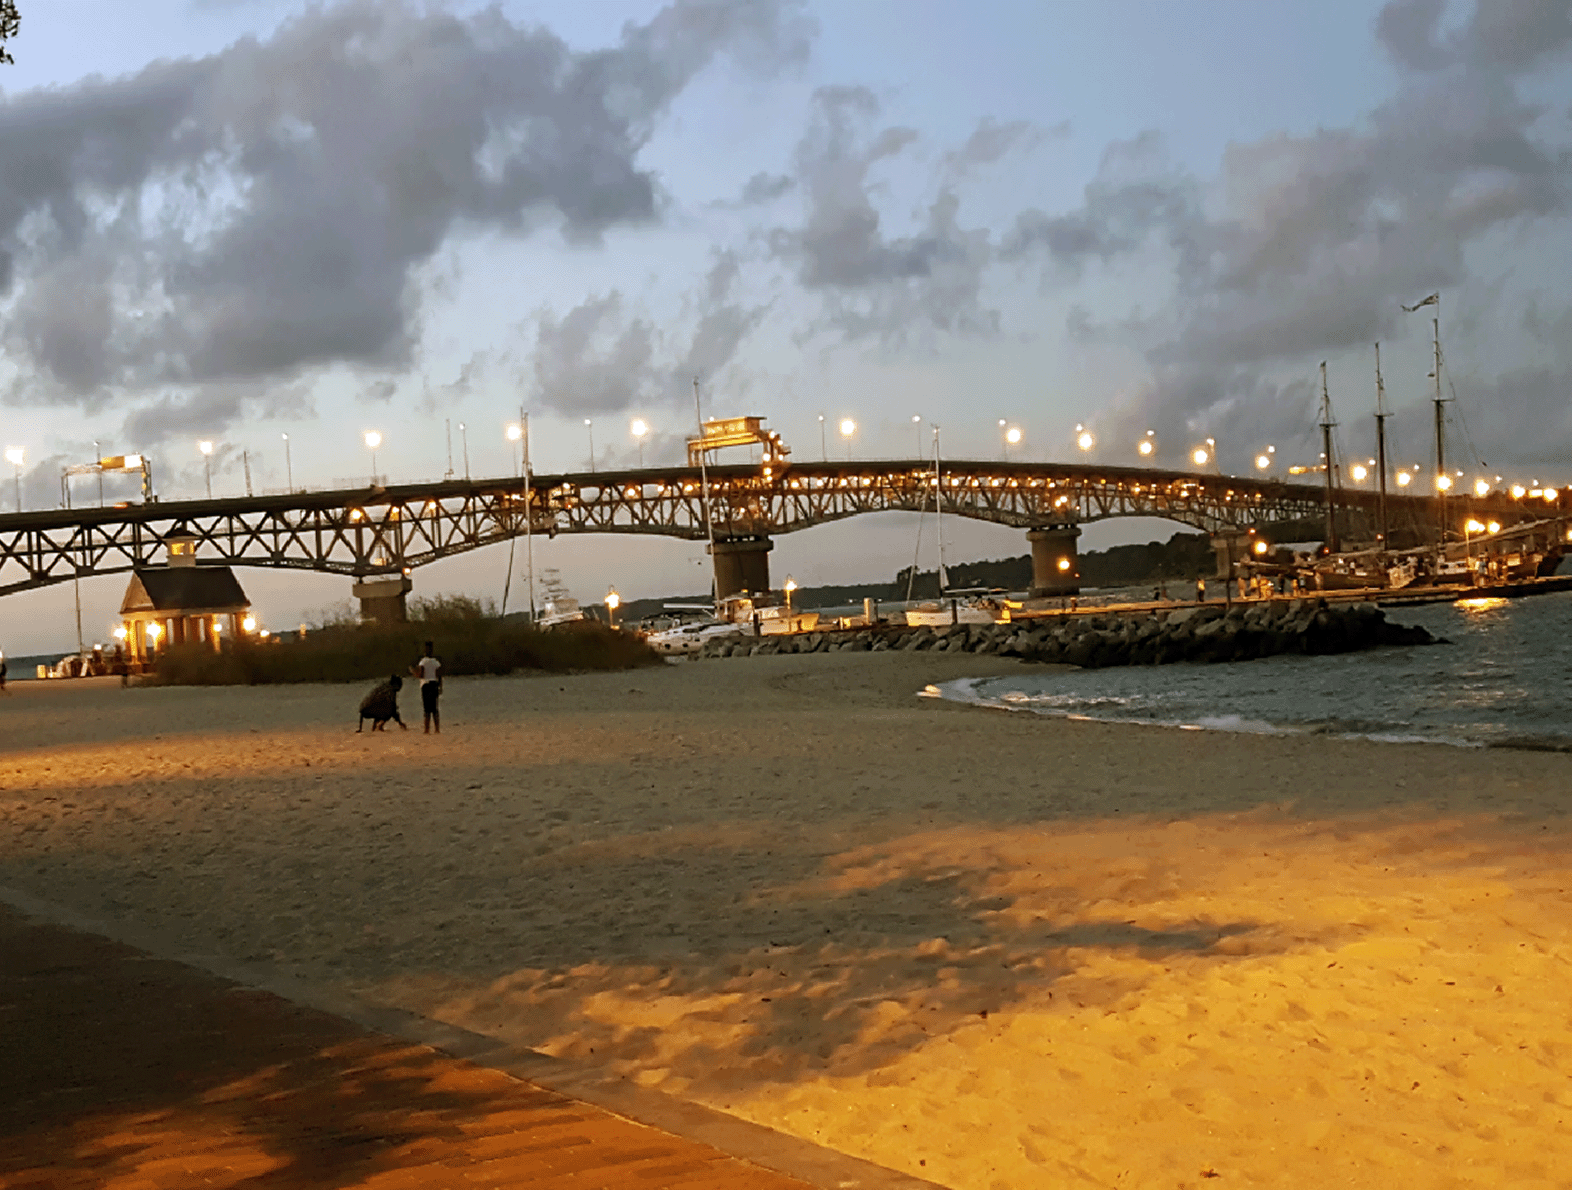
(1499,678)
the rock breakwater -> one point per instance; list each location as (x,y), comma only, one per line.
(1218,632)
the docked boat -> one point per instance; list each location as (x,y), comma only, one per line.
(962,608)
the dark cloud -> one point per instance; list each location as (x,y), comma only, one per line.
(265,210)
(599,358)
(1304,247)
(764,187)
(873,284)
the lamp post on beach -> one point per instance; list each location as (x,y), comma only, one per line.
(791,585)
(613,602)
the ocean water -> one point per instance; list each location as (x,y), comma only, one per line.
(1504,678)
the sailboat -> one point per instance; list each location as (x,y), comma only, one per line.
(971,605)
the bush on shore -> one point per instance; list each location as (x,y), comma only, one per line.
(345,653)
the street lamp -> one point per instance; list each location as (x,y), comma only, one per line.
(515,433)
(1147,446)
(16,456)
(791,585)
(1443,483)
(917,428)
(373,440)
(1199,456)
(1358,472)
(1264,460)
(1084,438)
(289,467)
(613,602)
(824,449)
(1481,487)
(848,428)
(207,465)
(640,428)
(464,437)
(1012,437)
(589,427)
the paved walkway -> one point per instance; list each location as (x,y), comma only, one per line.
(122,1071)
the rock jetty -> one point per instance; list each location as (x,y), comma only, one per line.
(1207,633)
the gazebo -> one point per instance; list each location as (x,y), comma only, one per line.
(181,603)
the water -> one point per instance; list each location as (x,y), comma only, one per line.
(1503,681)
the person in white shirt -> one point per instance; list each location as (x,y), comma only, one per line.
(429,670)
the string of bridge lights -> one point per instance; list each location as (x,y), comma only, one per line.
(1202,455)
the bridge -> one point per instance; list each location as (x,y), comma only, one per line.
(379,535)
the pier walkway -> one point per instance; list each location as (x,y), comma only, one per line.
(123,1071)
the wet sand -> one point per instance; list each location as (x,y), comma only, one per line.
(990,949)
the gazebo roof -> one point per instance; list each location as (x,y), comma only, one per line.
(184,589)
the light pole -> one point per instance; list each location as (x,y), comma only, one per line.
(589,428)
(1084,438)
(464,438)
(613,602)
(373,440)
(97,457)
(848,429)
(1012,437)
(1147,446)
(824,449)
(206,448)
(639,428)
(1264,460)
(917,426)
(791,585)
(16,456)
(516,434)
(289,466)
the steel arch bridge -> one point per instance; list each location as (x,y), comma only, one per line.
(372,532)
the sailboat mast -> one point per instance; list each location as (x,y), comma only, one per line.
(1326,452)
(1441,479)
(1380,417)
(704,493)
(938,511)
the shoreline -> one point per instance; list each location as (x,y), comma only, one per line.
(975,948)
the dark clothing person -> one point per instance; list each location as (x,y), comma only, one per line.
(429,670)
(381,705)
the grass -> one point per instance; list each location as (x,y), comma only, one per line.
(467,638)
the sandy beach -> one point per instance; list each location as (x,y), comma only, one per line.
(989,949)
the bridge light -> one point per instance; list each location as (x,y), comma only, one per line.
(1494,526)
(1358,472)
(1404,479)
(1064,563)
(1144,447)
(1085,440)
(1481,487)
(1443,483)
(1473,526)
(1551,494)
(1262,462)
(848,427)
(1518,491)
(1199,457)
(373,440)
(1261,547)
(1013,435)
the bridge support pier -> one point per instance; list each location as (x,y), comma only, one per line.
(741,564)
(1231,547)
(1056,566)
(382,599)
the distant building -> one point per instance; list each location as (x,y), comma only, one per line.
(181,603)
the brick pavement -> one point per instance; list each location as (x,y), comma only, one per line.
(123,1071)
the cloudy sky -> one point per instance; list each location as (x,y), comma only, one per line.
(235,220)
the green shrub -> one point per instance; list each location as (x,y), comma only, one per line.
(466,639)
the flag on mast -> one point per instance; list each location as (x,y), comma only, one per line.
(1433,300)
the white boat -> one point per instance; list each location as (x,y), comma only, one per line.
(970,609)
(690,638)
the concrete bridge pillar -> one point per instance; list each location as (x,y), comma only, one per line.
(1232,546)
(1056,567)
(382,599)
(741,564)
